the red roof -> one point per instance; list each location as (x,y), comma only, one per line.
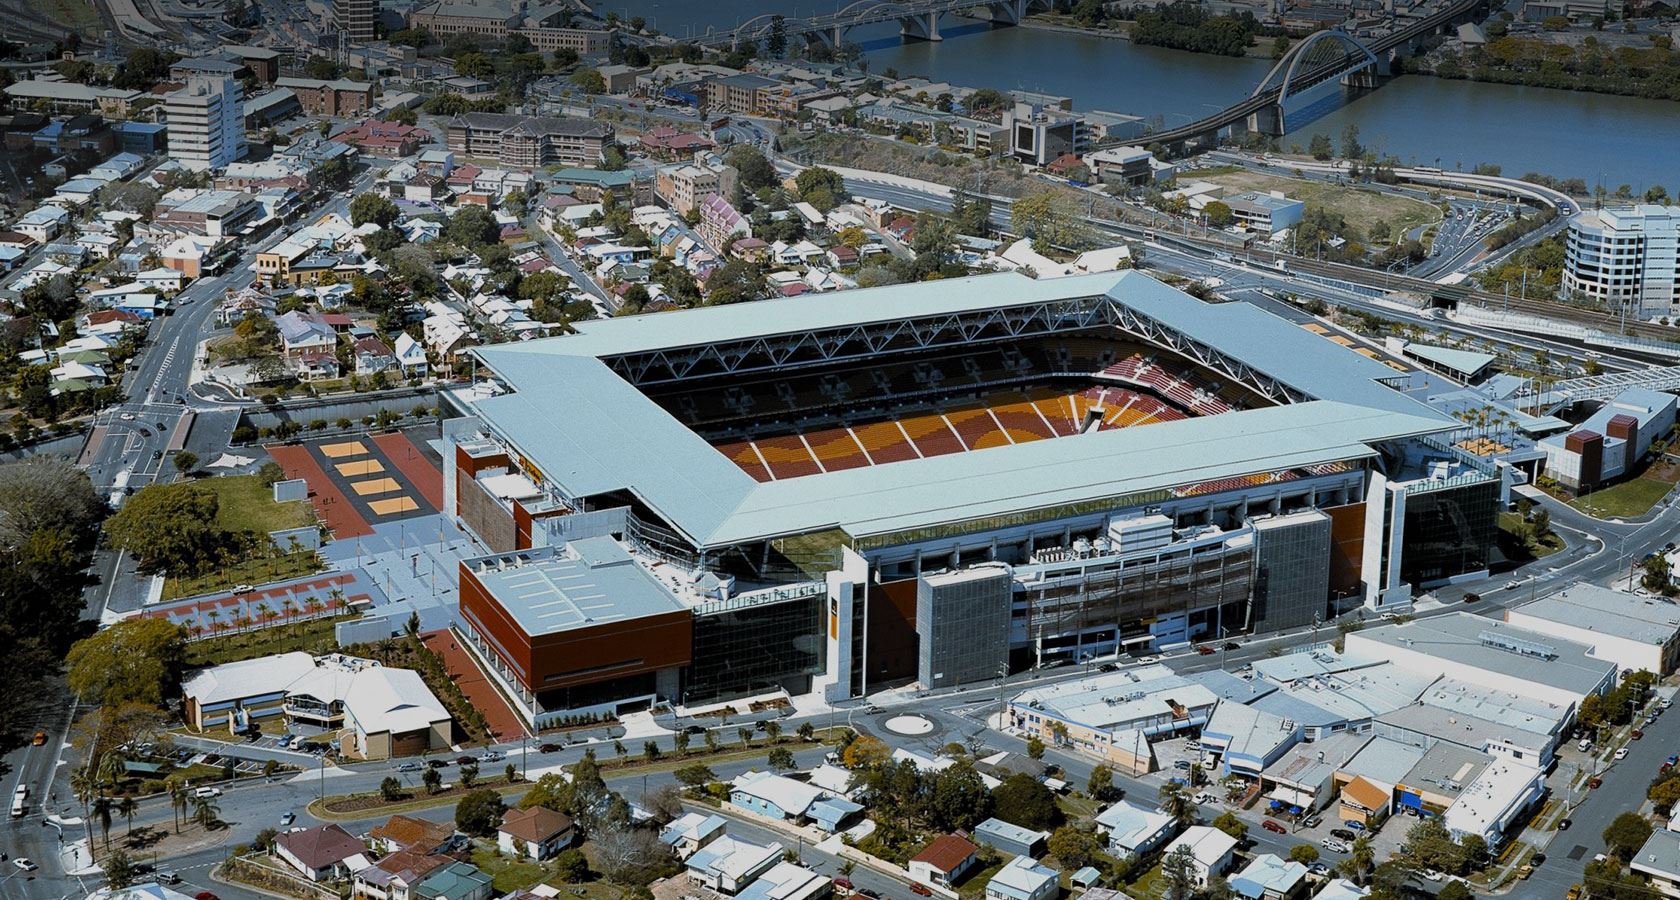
(106,316)
(947,853)
(321,846)
(793,289)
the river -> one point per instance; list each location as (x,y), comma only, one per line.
(1599,138)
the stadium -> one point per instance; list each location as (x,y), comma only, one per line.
(934,483)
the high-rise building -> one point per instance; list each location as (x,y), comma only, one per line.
(206,126)
(1626,256)
(355,18)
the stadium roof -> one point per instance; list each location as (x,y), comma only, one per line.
(591,432)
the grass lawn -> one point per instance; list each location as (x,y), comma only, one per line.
(1628,499)
(248,505)
(73,15)
(1147,884)
(1077,808)
(975,884)
(506,873)
(259,570)
(313,636)
(1359,206)
(1509,523)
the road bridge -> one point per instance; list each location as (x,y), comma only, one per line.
(1327,55)
(917,20)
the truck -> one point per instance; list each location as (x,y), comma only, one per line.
(20,801)
(119,489)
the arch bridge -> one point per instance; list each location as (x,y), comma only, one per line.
(917,20)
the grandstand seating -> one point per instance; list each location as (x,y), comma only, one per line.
(1020,416)
(835,449)
(742,454)
(932,435)
(884,442)
(787,456)
(972,422)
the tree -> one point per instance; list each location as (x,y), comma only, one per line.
(1359,860)
(133,661)
(1305,854)
(1351,148)
(753,171)
(733,282)
(806,732)
(664,802)
(170,528)
(1657,573)
(782,758)
(472,227)
(695,774)
(1320,147)
(650,751)
(479,812)
(565,58)
(1074,848)
(865,752)
(571,866)
(185,461)
(1021,799)
(1177,802)
(119,870)
(821,187)
(205,811)
(1178,875)
(1218,213)
(958,799)
(1231,825)
(1454,890)
(775,43)
(469,774)
(431,779)
(1100,786)
(371,207)
(629,856)
(1051,218)
(589,81)
(1035,747)
(1626,834)
(390,789)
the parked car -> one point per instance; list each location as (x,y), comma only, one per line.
(1274,827)
(1183,764)
(1636,734)
(1673,759)
(1205,650)
(547,748)
(1343,834)
(437,763)
(1595,783)
(409,767)
(1336,845)
(465,761)
(1312,821)
(843,883)
(205,895)
(1432,874)
(1666,703)
(1621,753)
(1563,824)
(920,890)
(1232,645)
(287,819)
(1205,797)
(207,792)
(25,863)
(1318,870)
(39,739)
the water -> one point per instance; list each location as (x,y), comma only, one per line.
(1599,138)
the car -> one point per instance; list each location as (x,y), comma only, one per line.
(39,739)
(1621,753)
(1636,734)
(1312,821)
(1673,759)
(437,763)
(1343,834)
(25,863)
(207,792)
(1335,845)
(408,767)
(1232,645)
(205,895)
(1524,872)
(1563,824)
(1650,720)
(495,756)
(127,417)
(1665,704)
(1509,586)
(871,893)
(547,748)
(1432,874)
(1183,765)
(1205,797)
(920,890)
(465,761)
(843,883)
(1274,827)
(1537,859)
(1205,650)
(287,819)
(1595,783)
(167,877)
(1318,870)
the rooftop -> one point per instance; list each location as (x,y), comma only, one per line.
(1476,642)
(946,852)
(1444,768)
(584,583)
(612,438)
(1660,855)
(1207,844)
(1118,698)
(1591,607)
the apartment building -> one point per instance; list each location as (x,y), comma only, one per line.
(683,188)
(206,122)
(529,141)
(1626,256)
(354,18)
(339,97)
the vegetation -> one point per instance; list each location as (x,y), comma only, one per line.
(1624,500)
(479,811)
(1535,273)
(1592,65)
(133,661)
(1183,25)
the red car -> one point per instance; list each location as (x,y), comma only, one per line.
(843,883)
(205,895)
(920,890)
(1636,734)
(1272,826)
(1205,650)
(1594,783)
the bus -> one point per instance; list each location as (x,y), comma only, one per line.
(20,798)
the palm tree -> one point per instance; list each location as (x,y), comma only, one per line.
(127,807)
(177,799)
(1177,804)
(335,598)
(215,626)
(205,811)
(102,812)
(112,768)
(1359,860)
(83,785)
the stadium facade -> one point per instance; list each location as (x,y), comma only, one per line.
(935,482)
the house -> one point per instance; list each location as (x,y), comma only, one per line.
(729,864)
(688,833)
(106,321)
(1133,830)
(454,881)
(538,832)
(944,861)
(321,853)
(1210,849)
(1269,877)
(780,797)
(1011,838)
(1023,879)
(302,334)
(396,876)
(411,356)
(1659,860)
(372,356)
(318,365)
(163,279)
(410,833)
(42,223)
(788,881)
(720,223)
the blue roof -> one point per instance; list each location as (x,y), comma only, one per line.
(591,432)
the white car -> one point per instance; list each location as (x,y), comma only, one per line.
(204,792)
(1205,797)
(1433,874)
(1666,704)
(1336,845)
(25,863)
(1621,753)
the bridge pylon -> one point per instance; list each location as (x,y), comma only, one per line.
(1267,120)
(920,27)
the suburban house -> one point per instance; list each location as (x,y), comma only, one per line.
(454,881)
(396,876)
(411,356)
(945,861)
(1023,879)
(322,852)
(692,831)
(1211,849)
(538,832)
(729,864)
(1270,877)
(302,334)
(409,833)
(1133,830)
(780,797)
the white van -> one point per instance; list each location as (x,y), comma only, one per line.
(207,792)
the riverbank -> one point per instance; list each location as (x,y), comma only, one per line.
(1048,22)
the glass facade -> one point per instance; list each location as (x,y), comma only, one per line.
(963,620)
(757,649)
(1291,571)
(1448,531)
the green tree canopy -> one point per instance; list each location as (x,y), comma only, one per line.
(479,812)
(1021,799)
(170,528)
(472,227)
(371,207)
(133,661)
(752,169)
